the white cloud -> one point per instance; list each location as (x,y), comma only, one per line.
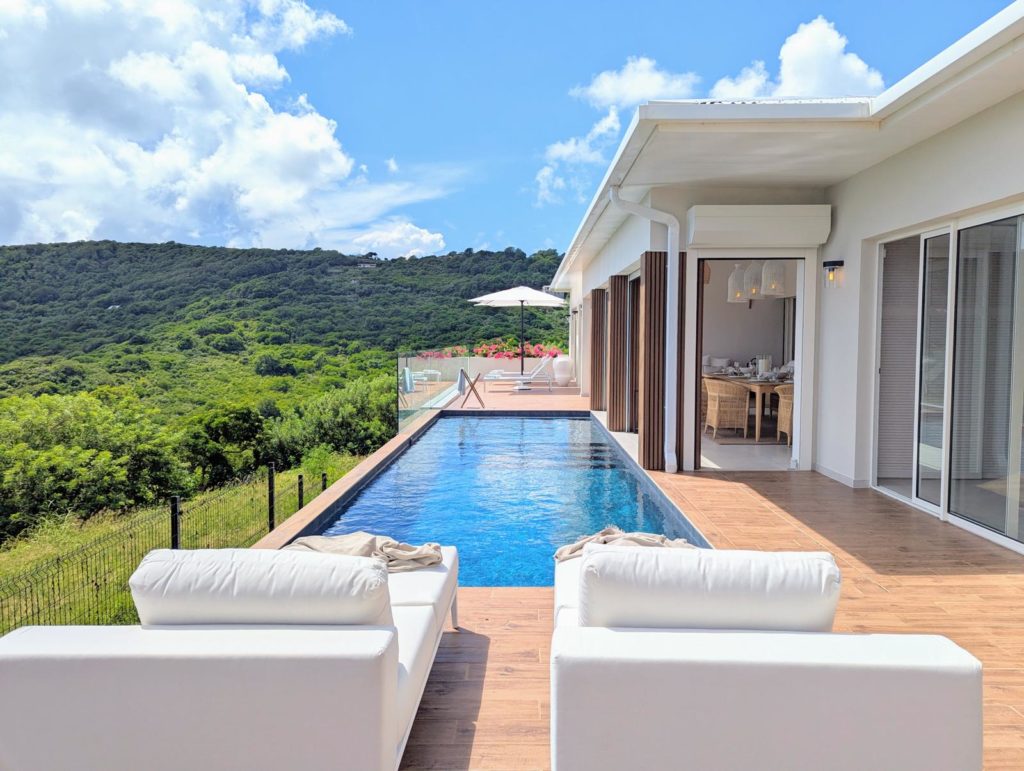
(569,163)
(571,155)
(392,165)
(586,149)
(398,238)
(157,120)
(549,185)
(638,81)
(813,62)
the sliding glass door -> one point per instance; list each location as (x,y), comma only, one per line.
(950,420)
(932,367)
(988,378)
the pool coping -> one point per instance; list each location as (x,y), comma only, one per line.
(650,485)
(310,519)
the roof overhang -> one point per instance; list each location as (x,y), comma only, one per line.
(800,143)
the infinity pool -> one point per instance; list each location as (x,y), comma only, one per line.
(508,491)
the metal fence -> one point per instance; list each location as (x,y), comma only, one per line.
(89,585)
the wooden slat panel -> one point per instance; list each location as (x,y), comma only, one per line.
(618,307)
(633,367)
(653,286)
(680,347)
(698,368)
(598,348)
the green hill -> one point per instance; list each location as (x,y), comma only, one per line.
(133,371)
(73,298)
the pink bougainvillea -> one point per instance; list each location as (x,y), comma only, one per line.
(509,349)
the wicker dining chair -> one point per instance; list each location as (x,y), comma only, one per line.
(785,424)
(728,406)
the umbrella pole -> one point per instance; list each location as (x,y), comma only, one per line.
(522,338)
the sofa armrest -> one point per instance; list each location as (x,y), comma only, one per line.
(768,700)
(198,697)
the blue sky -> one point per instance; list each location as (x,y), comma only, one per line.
(394,127)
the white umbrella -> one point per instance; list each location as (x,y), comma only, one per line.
(521,296)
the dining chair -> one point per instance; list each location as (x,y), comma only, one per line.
(785,424)
(728,406)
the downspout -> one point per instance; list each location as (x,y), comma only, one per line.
(671,315)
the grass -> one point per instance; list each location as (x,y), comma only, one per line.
(71,572)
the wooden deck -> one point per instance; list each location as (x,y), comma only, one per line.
(486,703)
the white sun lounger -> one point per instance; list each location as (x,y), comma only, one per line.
(539,373)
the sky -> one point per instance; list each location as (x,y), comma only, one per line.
(405,127)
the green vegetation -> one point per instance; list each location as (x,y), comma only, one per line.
(132,372)
(89,583)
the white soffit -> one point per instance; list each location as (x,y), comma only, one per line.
(759,227)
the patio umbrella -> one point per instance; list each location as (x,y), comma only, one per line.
(522,296)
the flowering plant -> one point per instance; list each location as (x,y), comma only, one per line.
(509,349)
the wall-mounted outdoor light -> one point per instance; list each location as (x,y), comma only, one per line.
(833,273)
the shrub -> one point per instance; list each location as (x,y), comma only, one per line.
(227,343)
(266,364)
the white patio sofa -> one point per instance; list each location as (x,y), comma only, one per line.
(246,659)
(704,659)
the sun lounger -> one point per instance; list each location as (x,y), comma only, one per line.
(540,373)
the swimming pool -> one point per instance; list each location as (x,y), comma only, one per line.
(508,491)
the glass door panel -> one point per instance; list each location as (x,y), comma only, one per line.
(985,456)
(897,366)
(934,296)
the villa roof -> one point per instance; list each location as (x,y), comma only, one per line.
(800,143)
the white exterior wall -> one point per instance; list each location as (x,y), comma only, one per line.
(621,254)
(973,166)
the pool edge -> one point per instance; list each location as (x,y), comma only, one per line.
(310,519)
(650,484)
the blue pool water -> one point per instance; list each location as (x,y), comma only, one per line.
(508,491)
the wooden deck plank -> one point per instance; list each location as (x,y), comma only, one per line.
(486,705)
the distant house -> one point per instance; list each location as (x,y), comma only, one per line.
(873,243)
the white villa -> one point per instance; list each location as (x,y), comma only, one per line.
(893,226)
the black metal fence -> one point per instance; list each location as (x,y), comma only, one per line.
(89,584)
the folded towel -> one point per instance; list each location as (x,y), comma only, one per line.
(615,537)
(400,557)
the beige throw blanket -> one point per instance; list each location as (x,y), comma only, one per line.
(615,537)
(400,557)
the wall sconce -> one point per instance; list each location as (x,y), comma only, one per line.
(833,275)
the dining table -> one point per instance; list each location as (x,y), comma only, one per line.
(760,388)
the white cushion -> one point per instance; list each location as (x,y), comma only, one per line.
(417,639)
(753,701)
(197,698)
(708,589)
(433,586)
(567,585)
(259,586)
